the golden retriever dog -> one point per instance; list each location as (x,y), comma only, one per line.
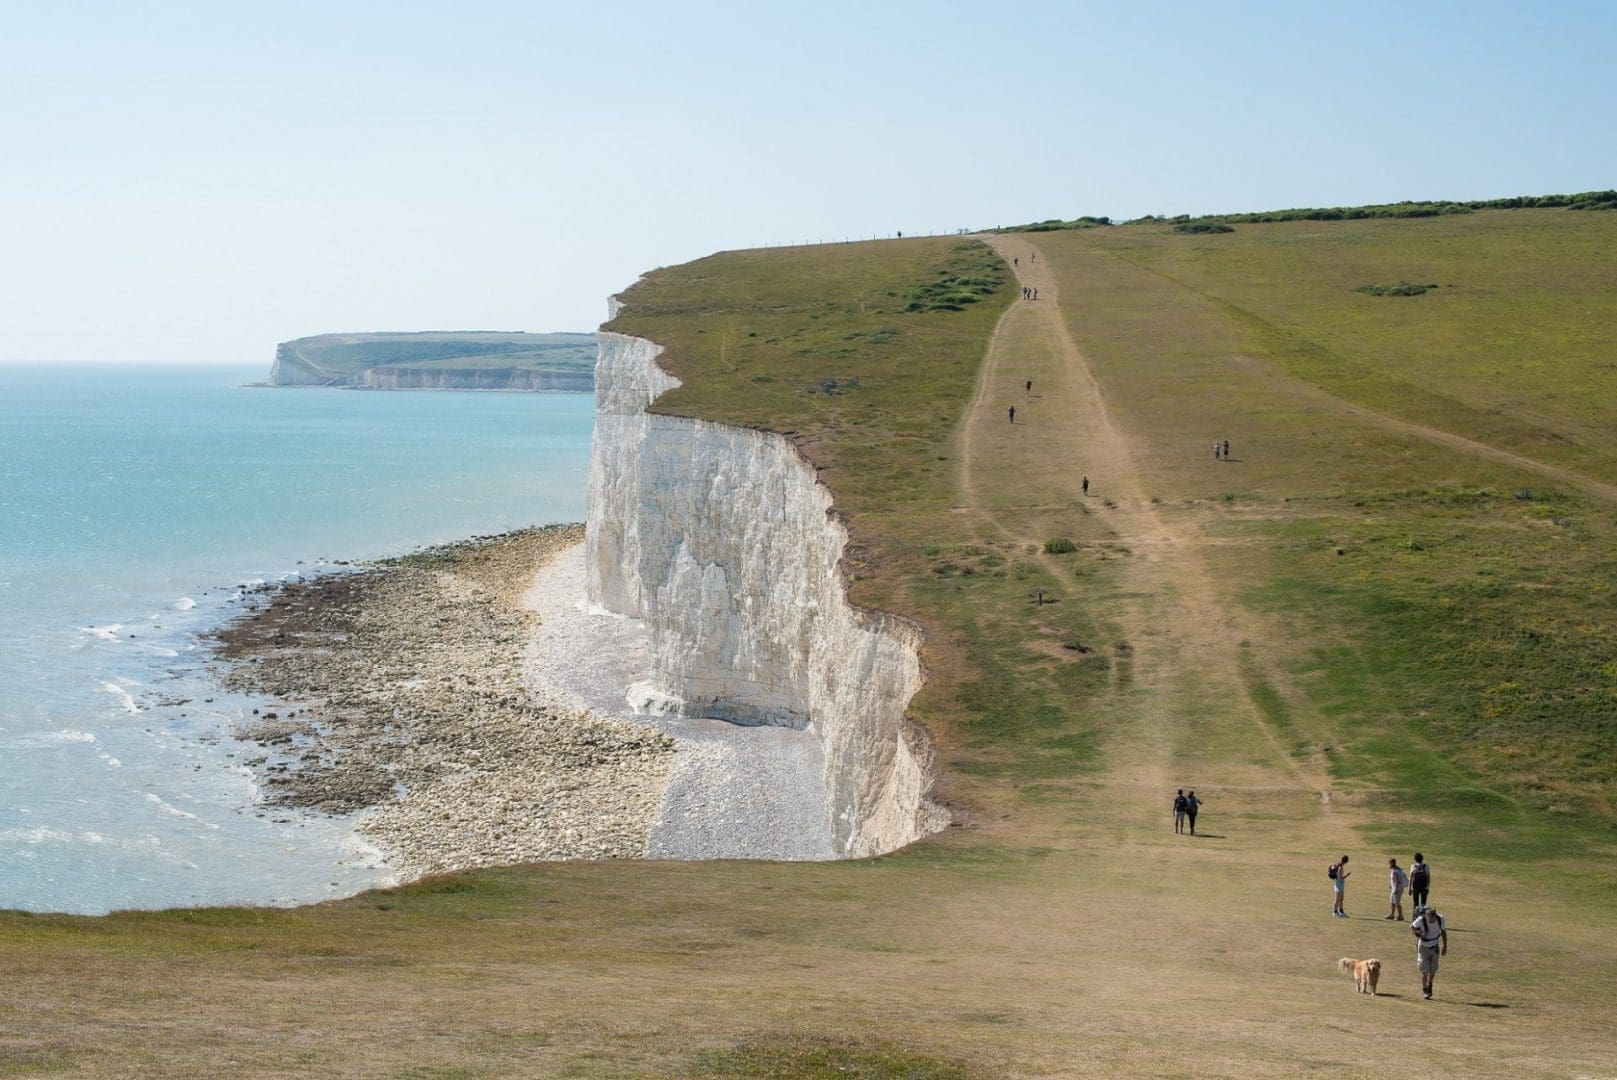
(1366,973)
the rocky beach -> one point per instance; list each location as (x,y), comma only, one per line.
(401,694)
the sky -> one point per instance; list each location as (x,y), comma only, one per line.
(189,182)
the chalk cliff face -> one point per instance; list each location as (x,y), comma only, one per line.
(473,378)
(724,543)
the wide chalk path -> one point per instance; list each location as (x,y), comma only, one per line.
(1197,658)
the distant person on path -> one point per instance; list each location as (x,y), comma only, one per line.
(1217,450)
(1431,941)
(1030,388)
(1192,805)
(1035,294)
(1015,261)
(1179,808)
(1086,485)
(1013,414)
(1339,874)
(1226,449)
(1396,881)
(1420,880)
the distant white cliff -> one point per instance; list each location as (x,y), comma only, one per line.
(438,360)
(724,543)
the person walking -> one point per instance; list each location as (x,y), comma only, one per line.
(1396,880)
(1226,449)
(1215,451)
(1179,811)
(1192,806)
(1420,880)
(1339,874)
(1086,485)
(1015,261)
(1013,414)
(1030,388)
(1431,941)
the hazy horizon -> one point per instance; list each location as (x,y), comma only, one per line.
(193,184)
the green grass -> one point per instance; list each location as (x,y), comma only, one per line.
(1448,620)
(1478,625)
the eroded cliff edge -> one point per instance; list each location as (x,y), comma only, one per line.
(725,544)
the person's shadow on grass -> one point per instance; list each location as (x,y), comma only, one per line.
(1208,836)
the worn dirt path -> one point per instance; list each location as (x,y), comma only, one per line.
(1196,656)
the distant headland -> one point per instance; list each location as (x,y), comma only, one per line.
(438,360)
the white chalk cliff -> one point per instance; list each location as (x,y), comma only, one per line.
(723,542)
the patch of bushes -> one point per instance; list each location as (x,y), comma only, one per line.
(1057,224)
(1203,227)
(833,385)
(971,273)
(1587,200)
(1402,288)
(1059,546)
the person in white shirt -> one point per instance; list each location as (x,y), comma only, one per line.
(1396,880)
(1431,941)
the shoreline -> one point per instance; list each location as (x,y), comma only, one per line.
(404,701)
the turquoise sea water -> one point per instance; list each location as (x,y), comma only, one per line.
(134,506)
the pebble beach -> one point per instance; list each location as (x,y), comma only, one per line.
(401,695)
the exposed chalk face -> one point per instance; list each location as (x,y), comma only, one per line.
(724,542)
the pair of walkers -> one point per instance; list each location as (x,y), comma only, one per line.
(1418,880)
(1185,807)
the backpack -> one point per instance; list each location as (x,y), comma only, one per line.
(1331,873)
(1419,877)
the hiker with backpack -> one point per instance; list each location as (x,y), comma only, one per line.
(1179,811)
(1431,941)
(1338,873)
(1420,880)
(1192,806)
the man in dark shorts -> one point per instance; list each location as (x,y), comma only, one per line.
(1192,804)
(1420,880)
(1013,414)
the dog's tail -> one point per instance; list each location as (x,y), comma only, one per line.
(1345,964)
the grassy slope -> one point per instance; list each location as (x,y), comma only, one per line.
(1066,929)
(1471,599)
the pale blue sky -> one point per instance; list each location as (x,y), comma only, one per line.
(197,181)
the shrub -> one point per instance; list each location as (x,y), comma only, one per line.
(1060,546)
(1203,227)
(1402,288)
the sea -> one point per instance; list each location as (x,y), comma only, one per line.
(136,506)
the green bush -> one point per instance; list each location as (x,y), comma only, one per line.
(1059,546)
(1202,227)
(1402,288)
